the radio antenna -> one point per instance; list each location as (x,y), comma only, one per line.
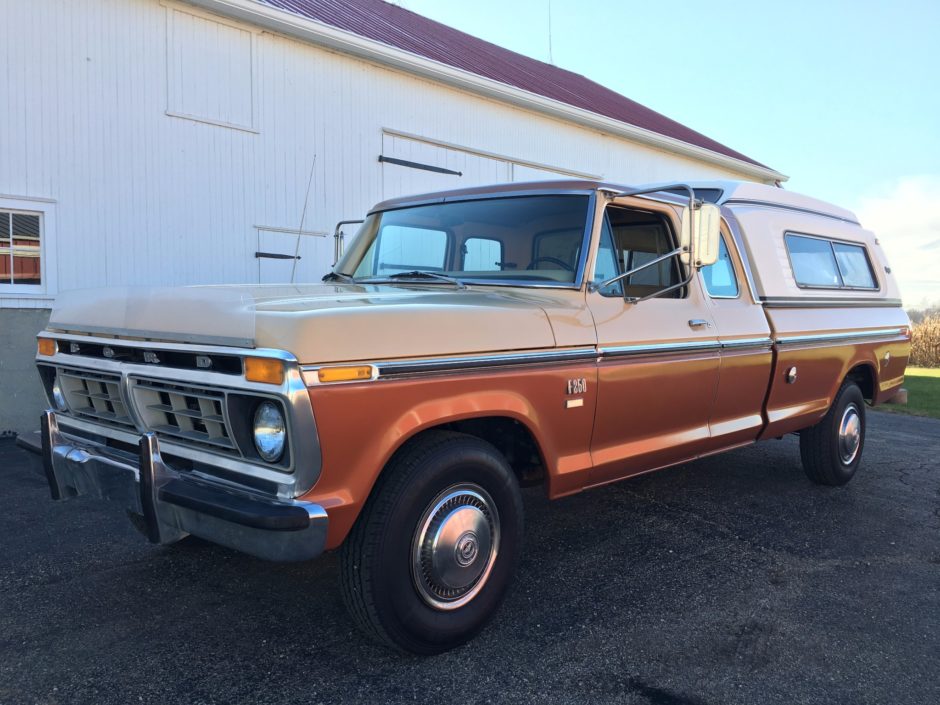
(551,59)
(303,216)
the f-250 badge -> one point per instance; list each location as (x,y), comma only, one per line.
(577,386)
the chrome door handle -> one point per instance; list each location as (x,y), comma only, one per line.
(699,323)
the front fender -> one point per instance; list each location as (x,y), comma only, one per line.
(363,425)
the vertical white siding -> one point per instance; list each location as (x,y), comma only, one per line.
(210,71)
(144,197)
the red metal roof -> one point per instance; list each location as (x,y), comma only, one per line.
(406,30)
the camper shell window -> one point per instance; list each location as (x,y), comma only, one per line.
(822,263)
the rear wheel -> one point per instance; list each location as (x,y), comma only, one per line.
(433,553)
(832,449)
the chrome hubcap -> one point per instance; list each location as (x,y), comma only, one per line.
(850,434)
(454,546)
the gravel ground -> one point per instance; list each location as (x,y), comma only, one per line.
(728,580)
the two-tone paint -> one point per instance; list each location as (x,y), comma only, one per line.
(657,382)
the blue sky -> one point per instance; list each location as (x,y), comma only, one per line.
(844,97)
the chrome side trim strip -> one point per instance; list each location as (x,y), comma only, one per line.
(845,337)
(659,348)
(827,302)
(399,368)
(745,343)
(394,368)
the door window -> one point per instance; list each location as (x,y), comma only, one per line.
(606,265)
(720,281)
(640,238)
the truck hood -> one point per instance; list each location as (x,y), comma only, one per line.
(318,323)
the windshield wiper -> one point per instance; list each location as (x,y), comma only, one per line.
(338,276)
(416,274)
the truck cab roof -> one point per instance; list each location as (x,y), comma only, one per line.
(722,192)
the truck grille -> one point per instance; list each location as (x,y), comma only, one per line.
(194,414)
(182,359)
(94,395)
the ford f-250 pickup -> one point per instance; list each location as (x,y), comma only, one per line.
(567,334)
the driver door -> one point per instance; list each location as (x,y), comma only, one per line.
(658,358)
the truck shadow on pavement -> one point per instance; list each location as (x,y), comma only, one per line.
(714,581)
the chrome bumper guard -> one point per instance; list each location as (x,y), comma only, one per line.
(174,504)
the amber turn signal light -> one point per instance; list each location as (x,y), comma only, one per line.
(345,374)
(47,346)
(264,369)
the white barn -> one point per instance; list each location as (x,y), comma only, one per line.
(159,142)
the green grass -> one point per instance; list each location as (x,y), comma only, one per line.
(923,393)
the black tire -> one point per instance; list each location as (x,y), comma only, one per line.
(423,490)
(827,459)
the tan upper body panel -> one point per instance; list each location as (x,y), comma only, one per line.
(337,322)
(323,323)
(347,322)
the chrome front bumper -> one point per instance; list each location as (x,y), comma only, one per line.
(172,504)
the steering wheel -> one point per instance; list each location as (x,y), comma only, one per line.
(554,260)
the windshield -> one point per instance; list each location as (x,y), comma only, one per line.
(525,239)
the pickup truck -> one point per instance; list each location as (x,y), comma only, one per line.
(564,334)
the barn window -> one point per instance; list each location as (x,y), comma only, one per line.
(209,71)
(20,248)
(820,262)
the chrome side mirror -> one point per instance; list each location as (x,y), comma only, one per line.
(339,239)
(701,235)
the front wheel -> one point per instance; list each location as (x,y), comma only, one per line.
(832,449)
(433,553)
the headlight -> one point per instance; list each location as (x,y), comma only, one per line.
(57,396)
(270,431)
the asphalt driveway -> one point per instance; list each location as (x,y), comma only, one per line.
(727,580)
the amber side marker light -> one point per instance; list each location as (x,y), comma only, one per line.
(47,346)
(268,370)
(345,374)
